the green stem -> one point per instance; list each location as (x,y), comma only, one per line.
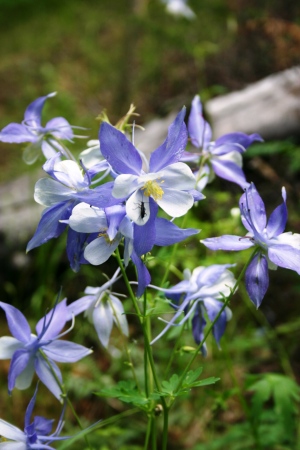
(130,364)
(146,329)
(100,424)
(174,350)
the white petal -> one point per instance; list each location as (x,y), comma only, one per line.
(23,381)
(11,432)
(234,157)
(13,446)
(137,208)
(99,250)
(176,203)
(69,173)
(119,315)
(125,184)
(87,219)
(48,192)
(178,176)
(8,346)
(289,238)
(103,322)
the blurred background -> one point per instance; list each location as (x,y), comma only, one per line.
(104,54)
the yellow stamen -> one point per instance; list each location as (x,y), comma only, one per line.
(154,189)
(105,236)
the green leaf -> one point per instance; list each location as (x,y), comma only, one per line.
(127,392)
(285,394)
(169,388)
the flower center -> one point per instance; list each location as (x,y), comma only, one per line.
(153,188)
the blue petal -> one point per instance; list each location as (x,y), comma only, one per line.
(242,139)
(213,308)
(173,147)
(198,325)
(42,426)
(278,218)
(65,351)
(257,279)
(229,171)
(119,151)
(144,235)
(60,128)
(114,216)
(253,213)
(167,233)
(80,305)
(15,133)
(199,130)
(76,243)
(50,226)
(44,370)
(100,196)
(33,111)
(29,409)
(17,323)
(228,242)
(197,195)
(285,256)
(18,364)
(144,277)
(49,326)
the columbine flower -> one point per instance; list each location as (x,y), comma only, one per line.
(36,435)
(31,353)
(60,193)
(199,292)
(223,155)
(40,138)
(102,308)
(273,247)
(107,227)
(167,182)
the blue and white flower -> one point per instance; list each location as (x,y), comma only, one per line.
(31,353)
(273,247)
(102,308)
(222,157)
(200,293)
(36,435)
(166,181)
(41,138)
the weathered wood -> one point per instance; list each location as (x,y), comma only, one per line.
(19,213)
(270,107)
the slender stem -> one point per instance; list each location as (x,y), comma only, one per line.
(174,350)
(145,329)
(125,344)
(210,327)
(64,395)
(148,432)
(99,424)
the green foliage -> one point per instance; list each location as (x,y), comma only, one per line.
(170,387)
(284,394)
(127,392)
